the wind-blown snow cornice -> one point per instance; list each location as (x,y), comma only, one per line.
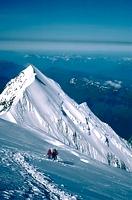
(15,88)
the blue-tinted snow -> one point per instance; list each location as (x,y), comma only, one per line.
(24,170)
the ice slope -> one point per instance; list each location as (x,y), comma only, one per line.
(26,173)
(33,100)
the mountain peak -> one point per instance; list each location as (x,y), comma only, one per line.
(15,88)
(34,100)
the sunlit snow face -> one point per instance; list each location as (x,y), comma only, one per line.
(40,103)
(71,177)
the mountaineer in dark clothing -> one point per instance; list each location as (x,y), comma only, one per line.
(49,154)
(54,154)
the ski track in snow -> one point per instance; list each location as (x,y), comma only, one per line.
(52,189)
(47,185)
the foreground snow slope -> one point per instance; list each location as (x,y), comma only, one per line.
(25,173)
(33,100)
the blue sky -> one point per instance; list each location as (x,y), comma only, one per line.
(83,20)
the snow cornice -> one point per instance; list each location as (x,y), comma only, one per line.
(15,88)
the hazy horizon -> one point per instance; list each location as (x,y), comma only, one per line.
(66,20)
(66,46)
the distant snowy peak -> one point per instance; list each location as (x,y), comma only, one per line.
(15,88)
(37,102)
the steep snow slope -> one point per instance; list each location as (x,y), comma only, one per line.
(33,100)
(26,173)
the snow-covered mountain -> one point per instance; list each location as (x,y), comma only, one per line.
(27,174)
(38,115)
(36,102)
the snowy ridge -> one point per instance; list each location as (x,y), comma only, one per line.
(41,104)
(15,88)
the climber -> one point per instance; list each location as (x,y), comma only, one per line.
(49,154)
(54,154)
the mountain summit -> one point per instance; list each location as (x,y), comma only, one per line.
(34,101)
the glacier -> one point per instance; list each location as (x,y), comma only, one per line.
(35,114)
